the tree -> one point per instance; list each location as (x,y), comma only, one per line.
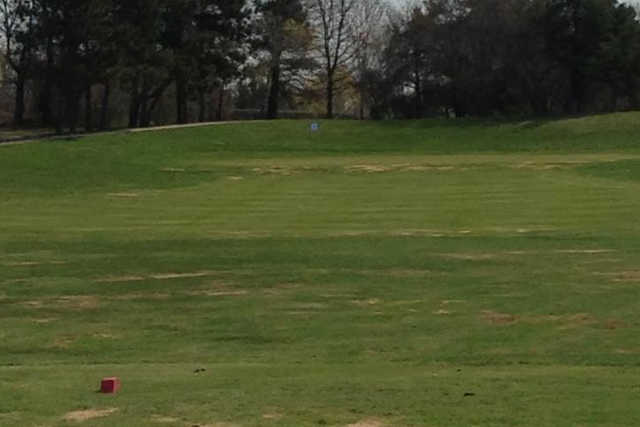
(336,45)
(285,37)
(368,31)
(16,30)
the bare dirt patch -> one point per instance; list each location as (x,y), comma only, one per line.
(442,312)
(88,414)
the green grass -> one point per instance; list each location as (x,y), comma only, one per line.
(398,273)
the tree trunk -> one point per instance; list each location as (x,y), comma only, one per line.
(221,102)
(362,97)
(181,98)
(274,90)
(72,104)
(47,90)
(418,86)
(330,93)
(145,114)
(134,103)
(202,106)
(88,109)
(104,111)
(18,114)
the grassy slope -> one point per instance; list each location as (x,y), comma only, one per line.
(372,271)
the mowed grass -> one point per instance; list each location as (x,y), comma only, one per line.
(433,273)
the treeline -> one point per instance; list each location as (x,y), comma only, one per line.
(90,64)
(480,57)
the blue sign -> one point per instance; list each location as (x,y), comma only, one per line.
(315,127)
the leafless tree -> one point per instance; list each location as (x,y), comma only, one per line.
(336,45)
(368,30)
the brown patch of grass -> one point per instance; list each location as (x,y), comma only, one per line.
(311,306)
(627,351)
(218,293)
(44,321)
(613,324)
(275,170)
(34,304)
(81,302)
(155,276)
(578,320)
(442,312)
(88,414)
(62,343)
(585,251)
(368,422)
(32,263)
(627,276)
(549,166)
(120,279)
(164,420)
(499,318)
(143,296)
(124,195)
(74,302)
(274,416)
(367,303)
(453,301)
(169,276)
(468,257)
(104,336)
(367,168)
(396,272)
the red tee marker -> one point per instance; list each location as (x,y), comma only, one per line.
(110,385)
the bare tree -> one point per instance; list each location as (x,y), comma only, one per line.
(368,30)
(335,42)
